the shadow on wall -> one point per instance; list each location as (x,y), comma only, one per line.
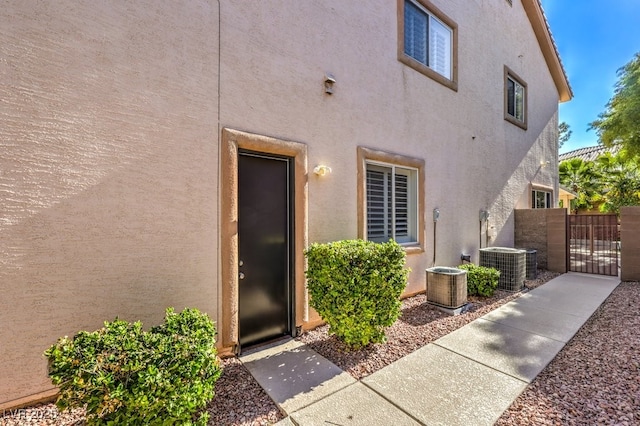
(515,189)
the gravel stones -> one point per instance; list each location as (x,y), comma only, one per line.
(594,380)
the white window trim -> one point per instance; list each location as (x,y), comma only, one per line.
(549,198)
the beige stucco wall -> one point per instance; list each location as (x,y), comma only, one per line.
(108,172)
(474,159)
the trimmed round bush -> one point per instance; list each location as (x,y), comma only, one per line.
(355,286)
(481,280)
(122,374)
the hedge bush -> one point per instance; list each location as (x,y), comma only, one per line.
(481,280)
(355,286)
(124,375)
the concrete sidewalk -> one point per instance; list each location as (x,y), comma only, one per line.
(469,376)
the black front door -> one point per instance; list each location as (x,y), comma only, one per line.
(264,247)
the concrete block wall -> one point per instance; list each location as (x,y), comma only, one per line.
(530,232)
(543,230)
(630,243)
(556,240)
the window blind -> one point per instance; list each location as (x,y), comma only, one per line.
(401,211)
(391,204)
(415,32)
(378,204)
(439,47)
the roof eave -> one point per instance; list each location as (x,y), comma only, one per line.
(548,47)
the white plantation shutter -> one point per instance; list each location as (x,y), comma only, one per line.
(391,204)
(378,204)
(439,47)
(401,211)
(519,101)
(515,99)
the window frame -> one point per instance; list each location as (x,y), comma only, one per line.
(431,10)
(549,198)
(510,75)
(385,159)
(390,198)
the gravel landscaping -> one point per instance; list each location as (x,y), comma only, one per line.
(594,380)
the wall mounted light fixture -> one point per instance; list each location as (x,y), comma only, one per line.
(329,81)
(544,163)
(321,170)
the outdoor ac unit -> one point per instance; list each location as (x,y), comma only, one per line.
(512,264)
(447,287)
(532,264)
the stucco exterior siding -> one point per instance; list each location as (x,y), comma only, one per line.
(273,86)
(108,172)
(119,123)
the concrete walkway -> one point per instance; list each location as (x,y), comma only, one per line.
(468,377)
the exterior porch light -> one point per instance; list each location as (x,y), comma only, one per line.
(321,170)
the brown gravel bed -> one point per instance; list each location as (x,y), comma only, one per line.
(594,380)
(240,400)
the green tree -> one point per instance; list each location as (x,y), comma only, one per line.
(563,133)
(620,122)
(582,178)
(620,182)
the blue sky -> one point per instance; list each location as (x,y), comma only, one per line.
(595,38)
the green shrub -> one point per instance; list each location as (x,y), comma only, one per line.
(481,280)
(355,286)
(124,375)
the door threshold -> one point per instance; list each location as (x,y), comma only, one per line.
(264,345)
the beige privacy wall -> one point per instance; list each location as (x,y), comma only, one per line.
(630,243)
(108,171)
(543,230)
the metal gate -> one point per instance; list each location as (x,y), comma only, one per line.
(593,244)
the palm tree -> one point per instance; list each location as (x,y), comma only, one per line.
(581,177)
(620,181)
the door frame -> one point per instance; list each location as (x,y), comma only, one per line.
(233,141)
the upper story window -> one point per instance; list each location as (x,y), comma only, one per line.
(428,41)
(515,99)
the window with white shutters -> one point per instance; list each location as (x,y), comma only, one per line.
(428,38)
(391,203)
